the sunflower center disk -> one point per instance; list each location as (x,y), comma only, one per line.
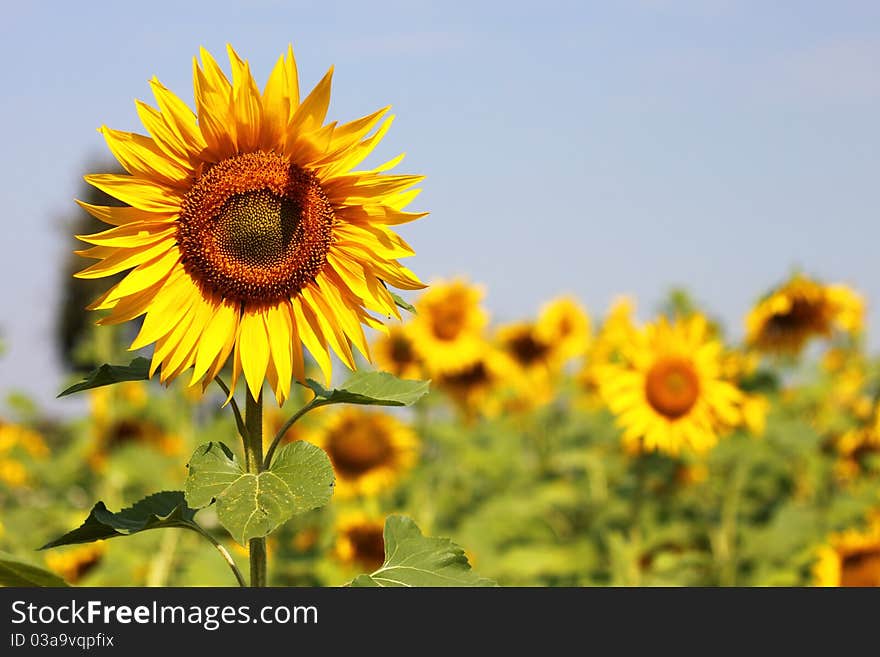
(358,450)
(369,545)
(255,228)
(861,569)
(402,351)
(672,387)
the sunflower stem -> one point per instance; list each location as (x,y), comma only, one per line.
(283,430)
(641,468)
(253,420)
(726,544)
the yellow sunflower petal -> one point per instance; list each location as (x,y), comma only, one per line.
(141,157)
(254,350)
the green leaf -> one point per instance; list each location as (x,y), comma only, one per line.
(252,505)
(415,560)
(212,468)
(136,370)
(165,509)
(399,301)
(372,389)
(15,572)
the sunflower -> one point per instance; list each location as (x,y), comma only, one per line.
(617,330)
(360,540)
(19,444)
(535,365)
(858,448)
(117,421)
(396,352)
(667,391)
(525,346)
(448,328)
(564,324)
(755,409)
(850,558)
(248,232)
(483,387)
(369,450)
(74,563)
(785,320)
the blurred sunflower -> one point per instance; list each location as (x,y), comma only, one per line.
(755,409)
(396,352)
(249,234)
(800,309)
(447,331)
(667,391)
(564,324)
(369,450)
(525,346)
(857,447)
(74,563)
(18,444)
(480,388)
(617,330)
(850,558)
(536,365)
(360,540)
(131,431)
(116,414)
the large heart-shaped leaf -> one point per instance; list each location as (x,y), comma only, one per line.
(415,560)
(252,505)
(165,509)
(15,572)
(136,370)
(372,389)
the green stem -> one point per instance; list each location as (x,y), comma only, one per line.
(641,467)
(160,566)
(253,420)
(726,548)
(283,430)
(223,553)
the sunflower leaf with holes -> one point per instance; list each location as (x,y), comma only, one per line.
(253,505)
(412,559)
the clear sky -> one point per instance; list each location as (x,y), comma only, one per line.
(594,148)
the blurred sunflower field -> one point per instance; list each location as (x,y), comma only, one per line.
(569,448)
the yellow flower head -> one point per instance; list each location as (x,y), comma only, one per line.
(565,325)
(786,319)
(667,391)
(853,445)
(369,450)
(851,557)
(360,540)
(482,387)
(249,233)
(523,343)
(447,331)
(617,330)
(17,436)
(74,563)
(131,431)
(396,352)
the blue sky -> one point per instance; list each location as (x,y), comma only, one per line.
(593,148)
